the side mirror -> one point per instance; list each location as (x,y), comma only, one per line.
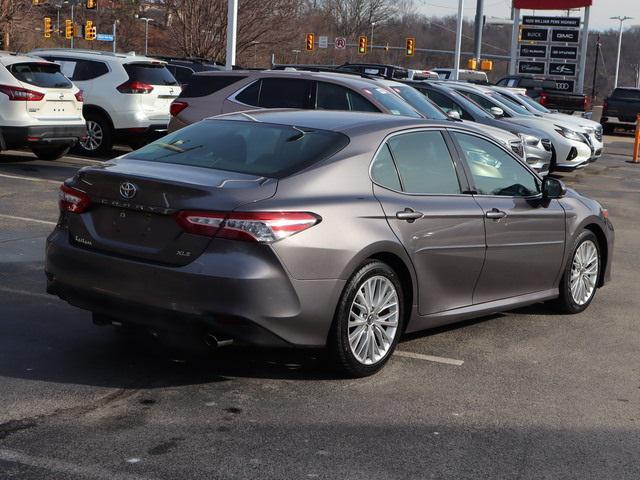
(454,114)
(553,188)
(497,112)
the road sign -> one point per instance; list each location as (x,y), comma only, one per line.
(569,36)
(104,37)
(563,53)
(562,69)
(551,21)
(534,34)
(323,42)
(533,51)
(341,43)
(536,68)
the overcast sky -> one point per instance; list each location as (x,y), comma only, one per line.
(599,20)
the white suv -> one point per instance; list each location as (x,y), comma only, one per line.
(39,107)
(127,96)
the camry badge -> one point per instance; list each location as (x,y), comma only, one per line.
(128,190)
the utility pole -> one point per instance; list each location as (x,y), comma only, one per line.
(232,32)
(621,20)
(114,35)
(456,66)
(595,69)
(477,37)
(73,25)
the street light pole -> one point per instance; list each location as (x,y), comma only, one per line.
(621,20)
(146,33)
(456,66)
(373,24)
(232,32)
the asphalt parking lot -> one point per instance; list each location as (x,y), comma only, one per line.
(527,394)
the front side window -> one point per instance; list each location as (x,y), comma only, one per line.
(39,74)
(446,103)
(424,163)
(419,102)
(495,172)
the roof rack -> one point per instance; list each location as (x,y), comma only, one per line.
(92,52)
(324,69)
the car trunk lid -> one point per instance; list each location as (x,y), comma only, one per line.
(134,206)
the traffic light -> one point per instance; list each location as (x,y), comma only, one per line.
(48,27)
(411,47)
(68,29)
(310,41)
(362,45)
(91,4)
(89,31)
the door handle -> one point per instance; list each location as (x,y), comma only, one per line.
(495,214)
(409,215)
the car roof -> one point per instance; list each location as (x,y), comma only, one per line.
(9,58)
(353,80)
(337,121)
(130,57)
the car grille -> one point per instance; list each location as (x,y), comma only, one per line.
(517,148)
(546,143)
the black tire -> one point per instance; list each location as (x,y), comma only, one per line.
(136,144)
(607,129)
(338,341)
(50,153)
(565,303)
(95,146)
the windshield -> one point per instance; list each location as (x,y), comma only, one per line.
(511,104)
(533,104)
(418,101)
(39,74)
(392,102)
(254,148)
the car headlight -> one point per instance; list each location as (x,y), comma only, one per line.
(568,133)
(529,140)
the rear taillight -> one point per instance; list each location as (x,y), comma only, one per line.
(605,104)
(543,98)
(133,86)
(177,106)
(21,94)
(262,227)
(587,103)
(72,200)
(79,96)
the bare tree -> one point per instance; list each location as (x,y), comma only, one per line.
(10,12)
(352,17)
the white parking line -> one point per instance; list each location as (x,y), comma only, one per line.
(61,466)
(428,358)
(25,219)
(30,179)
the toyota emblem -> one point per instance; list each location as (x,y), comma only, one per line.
(128,190)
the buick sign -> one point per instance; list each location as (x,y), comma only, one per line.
(534,34)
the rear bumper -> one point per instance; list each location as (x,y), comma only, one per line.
(607,120)
(13,137)
(235,289)
(147,134)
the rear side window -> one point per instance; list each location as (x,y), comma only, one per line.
(203,85)
(45,75)
(424,163)
(285,93)
(254,148)
(383,170)
(149,73)
(330,96)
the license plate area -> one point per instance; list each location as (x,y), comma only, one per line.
(149,230)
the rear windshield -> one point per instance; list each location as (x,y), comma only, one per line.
(263,149)
(203,85)
(418,101)
(627,93)
(149,73)
(391,101)
(46,75)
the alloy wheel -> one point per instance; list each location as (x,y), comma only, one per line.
(94,136)
(373,320)
(584,272)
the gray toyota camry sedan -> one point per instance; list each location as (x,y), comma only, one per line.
(322,229)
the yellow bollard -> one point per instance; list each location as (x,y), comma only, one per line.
(636,143)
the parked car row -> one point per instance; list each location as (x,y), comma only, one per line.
(57,99)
